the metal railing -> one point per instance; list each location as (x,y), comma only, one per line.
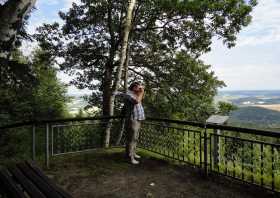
(179,143)
(252,160)
(52,137)
(248,155)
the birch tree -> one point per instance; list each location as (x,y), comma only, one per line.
(90,41)
(12,14)
(123,57)
(13,17)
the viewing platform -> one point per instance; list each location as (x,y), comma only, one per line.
(179,158)
(106,173)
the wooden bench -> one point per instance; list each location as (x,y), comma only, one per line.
(27,180)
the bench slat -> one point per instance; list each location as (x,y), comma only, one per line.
(28,186)
(9,185)
(40,183)
(39,172)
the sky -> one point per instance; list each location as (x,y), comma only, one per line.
(253,64)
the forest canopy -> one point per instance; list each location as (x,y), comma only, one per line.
(163,33)
(163,48)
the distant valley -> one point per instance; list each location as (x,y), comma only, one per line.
(258,109)
(76,104)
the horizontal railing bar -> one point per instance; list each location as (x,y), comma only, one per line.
(36,122)
(245,130)
(246,140)
(195,124)
(267,133)
(177,128)
(81,124)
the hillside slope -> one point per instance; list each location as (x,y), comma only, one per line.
(255,116)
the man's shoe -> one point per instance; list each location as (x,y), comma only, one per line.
(137,156)
(133,161)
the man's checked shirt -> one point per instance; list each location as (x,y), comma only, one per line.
(133,111)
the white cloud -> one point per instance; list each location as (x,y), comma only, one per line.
(250,77)
(246,67)
(46,12)
(254,62)
(265,25)
(68,3)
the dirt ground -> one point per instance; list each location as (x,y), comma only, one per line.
(105,174)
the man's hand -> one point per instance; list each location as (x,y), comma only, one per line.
(141,89)
(140,93)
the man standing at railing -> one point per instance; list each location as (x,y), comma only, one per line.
(134,113)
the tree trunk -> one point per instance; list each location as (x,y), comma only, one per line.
(106,84)
(125,79)
(127,28)
(12,14)
(107,94)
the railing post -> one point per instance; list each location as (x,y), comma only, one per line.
(216,147)
(34,142)
(47,154)
(205,151)
(52,136)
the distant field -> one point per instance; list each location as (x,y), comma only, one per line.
(256,109)
(274,107)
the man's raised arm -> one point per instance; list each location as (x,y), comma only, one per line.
(133,99)
(140,95)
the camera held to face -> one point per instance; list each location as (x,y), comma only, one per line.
(140,88)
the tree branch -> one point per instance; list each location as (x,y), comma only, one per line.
(144,76)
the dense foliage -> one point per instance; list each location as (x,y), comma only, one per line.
(44,99)
(89,41)
(185,90)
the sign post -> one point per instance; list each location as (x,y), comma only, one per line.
(218,120)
